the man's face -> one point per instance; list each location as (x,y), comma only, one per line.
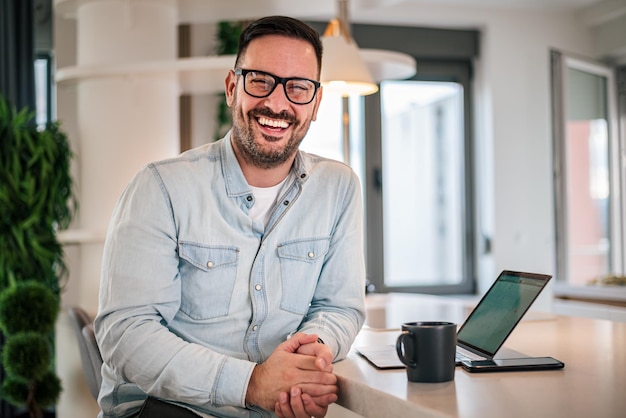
(267,131)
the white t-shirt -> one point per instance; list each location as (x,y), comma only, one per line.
(264,199)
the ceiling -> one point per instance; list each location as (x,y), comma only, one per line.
(196,11)
(512,4)
(372,9)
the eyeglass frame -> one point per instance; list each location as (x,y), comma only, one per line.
(277,81)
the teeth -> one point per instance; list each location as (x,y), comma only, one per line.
(273,123)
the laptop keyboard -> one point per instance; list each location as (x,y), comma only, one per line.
(460,358)
(464,355)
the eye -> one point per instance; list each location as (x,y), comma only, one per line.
(299,86)
(259,81)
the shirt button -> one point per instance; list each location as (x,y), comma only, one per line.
(311,254)
(254,328)
(257,287)
(210,264)
(249,198)
(286,202)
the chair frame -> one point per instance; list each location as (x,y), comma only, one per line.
(90,356)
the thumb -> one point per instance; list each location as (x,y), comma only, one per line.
(295,341)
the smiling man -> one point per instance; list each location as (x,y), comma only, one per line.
(267,131)
(233,275)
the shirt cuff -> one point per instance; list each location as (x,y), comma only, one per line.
(232,382)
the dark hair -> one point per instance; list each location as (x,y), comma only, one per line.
(281,25)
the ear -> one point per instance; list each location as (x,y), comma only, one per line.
(318,100)
(230,84)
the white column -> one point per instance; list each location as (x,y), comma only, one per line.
(125,119)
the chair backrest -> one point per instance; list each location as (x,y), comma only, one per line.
(89,352)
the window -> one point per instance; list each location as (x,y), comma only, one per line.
(338,133)
(421,189)
(43,89)
(411,145)
(428,247)
(423,186)
(423,170)
(326,135)
(588,188)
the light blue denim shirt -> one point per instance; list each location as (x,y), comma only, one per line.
(194,292)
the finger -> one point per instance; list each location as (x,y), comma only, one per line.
(310,363)
(297,406)
(282,409)
(300,338)
(312,408)
(303,365)
(296,340)
(314,377)
(322,353)
(278,411)
(318,390)
(325,400)
(324,361)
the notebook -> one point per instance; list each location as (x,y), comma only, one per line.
(488,325)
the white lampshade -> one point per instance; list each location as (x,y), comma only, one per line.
(348,70)
(343,68)
(388,65)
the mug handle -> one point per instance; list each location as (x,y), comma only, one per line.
(399,343)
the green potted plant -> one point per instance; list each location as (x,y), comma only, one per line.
(36,200)
(227,43)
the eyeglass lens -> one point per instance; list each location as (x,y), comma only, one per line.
(260,84)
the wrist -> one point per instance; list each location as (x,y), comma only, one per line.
(250,399)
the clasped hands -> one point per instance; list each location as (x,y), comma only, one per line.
(297,379)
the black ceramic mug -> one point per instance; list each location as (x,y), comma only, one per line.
(428,350)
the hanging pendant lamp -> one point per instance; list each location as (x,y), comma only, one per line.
(348,70)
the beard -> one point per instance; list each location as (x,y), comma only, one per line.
(253,152)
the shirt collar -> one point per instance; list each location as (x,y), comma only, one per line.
(236,184)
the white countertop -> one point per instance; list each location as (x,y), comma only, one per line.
(591,385)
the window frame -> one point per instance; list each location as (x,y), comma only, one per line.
(560,62)
(439,54)
(458,71)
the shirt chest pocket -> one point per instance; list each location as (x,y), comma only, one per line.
(301,262)
(208,275)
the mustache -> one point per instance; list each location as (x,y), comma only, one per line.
(264,111)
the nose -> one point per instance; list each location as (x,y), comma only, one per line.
(278,100)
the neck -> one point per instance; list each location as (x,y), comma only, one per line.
(263,177)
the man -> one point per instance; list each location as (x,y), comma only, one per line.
(233,275)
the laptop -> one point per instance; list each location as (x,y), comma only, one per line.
(488,325)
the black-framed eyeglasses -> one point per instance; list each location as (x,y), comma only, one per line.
(260,84)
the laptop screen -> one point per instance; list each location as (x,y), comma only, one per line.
(499,311)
